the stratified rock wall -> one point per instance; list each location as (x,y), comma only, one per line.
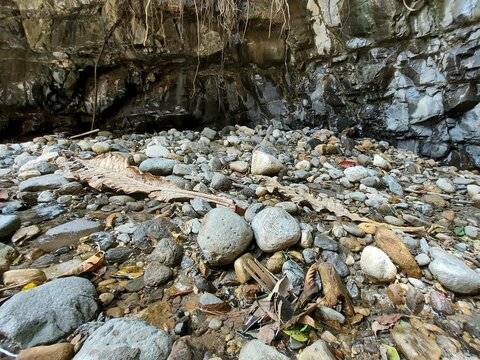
(393,72)
(408,74)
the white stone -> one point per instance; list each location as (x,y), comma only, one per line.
(377,265)
(265,164)
(156,151)
(303,165)
(356,173)
(101,147)
(381,162)
(473,190)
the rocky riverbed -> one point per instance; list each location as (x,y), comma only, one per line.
(326,247)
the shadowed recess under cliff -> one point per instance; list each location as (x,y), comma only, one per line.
(411,76)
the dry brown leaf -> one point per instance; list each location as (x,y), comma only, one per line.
(215,308)
(114,171)
(310,287)
(3,195)
(296,318)
(298,193)
(110,220)
(92,263)
(283,287)
(376,327)
(267,333)
(388,319)
(178,289)
(307,320)
(26,233)
(21,277)
(204,269)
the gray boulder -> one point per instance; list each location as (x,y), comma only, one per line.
(167,252)
(453,274)
(49,312)
(8,225)
(44,182)
(275,229)
(223,236)
(127,339)
(158,166)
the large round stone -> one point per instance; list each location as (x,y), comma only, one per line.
(48,313)
(454,274)
(223,236)
(275,229)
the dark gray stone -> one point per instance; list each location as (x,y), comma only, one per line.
(49,312)
(8,225)
(118,254)
(44,182)
(158,166)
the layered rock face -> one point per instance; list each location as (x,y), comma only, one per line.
(377,65)
(408,74)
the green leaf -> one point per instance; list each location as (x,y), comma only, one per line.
(392,353)
(297,333)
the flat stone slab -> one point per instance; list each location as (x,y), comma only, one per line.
(44,182)
(135,339)
(67,234)
(49,312)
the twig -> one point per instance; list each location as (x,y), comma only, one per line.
(84,134)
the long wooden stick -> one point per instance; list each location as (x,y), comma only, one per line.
(84,134)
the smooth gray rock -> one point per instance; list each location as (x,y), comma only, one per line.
(223,236)
(220,182)
(44,182)
(157,274)
(126,336)
(453,274)
(253,210)
(167,252)
(158,166)
(118,254)
(446,185)
(337,262)
(393,185)
(317,351)
(49,312)
(257,350)
(356,173)
(8,225)
(152,229)
(275,229)
(325,242)
(67,234)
